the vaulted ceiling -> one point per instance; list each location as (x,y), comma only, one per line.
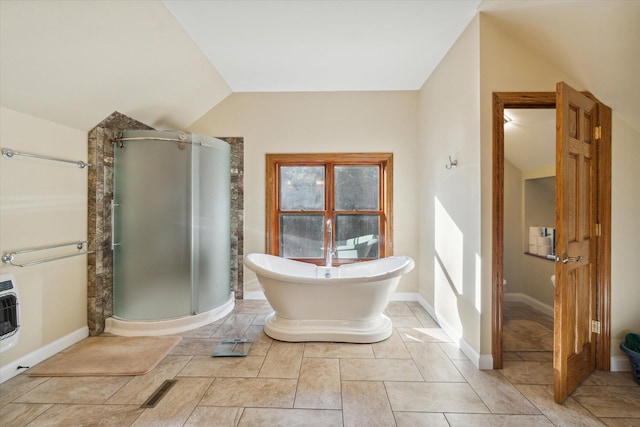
(335,45)
(167,63)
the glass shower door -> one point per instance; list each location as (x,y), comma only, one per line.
(211,263)
(152,232)
(172,225)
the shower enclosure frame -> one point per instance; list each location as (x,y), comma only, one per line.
(170,219)
(100,195)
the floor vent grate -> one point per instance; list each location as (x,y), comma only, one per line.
(159,394)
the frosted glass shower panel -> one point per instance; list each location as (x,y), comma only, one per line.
(152,263)
(211,222)
(172,223)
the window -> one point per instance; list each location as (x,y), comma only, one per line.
(354,191)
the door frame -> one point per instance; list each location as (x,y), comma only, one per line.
(541,100)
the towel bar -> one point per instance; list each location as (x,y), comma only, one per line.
(9,153)
(8,257)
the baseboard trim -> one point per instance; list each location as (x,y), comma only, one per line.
(531,302)
(620,364)
(253,295)
(480,361)
(11,370)
(405,296)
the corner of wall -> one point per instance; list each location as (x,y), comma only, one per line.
(449,229)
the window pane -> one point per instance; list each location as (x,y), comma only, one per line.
(302,188)
(356,187)
(357,236)
(302,236)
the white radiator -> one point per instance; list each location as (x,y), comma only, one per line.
(9,312)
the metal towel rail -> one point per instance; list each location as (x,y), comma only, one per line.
(9,153)
(8,257)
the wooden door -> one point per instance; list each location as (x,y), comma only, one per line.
(576,212)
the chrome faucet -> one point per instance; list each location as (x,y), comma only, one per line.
(330,253)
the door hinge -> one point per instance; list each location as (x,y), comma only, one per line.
(595,327)
(598,230)
(597,132)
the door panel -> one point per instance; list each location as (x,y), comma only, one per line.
(575,292)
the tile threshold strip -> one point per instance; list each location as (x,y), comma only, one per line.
(159,394)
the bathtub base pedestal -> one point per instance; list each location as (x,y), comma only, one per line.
(352,331)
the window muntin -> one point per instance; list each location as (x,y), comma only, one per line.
(356,192)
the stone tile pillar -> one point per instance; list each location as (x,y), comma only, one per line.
(100,263)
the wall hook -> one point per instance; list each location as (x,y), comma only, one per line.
(452,163)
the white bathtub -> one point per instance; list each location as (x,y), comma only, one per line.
(339,304)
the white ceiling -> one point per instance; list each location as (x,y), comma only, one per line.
(530,138)
(596,42)
(324,45)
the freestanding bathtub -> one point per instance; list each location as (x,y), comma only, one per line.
(339,304)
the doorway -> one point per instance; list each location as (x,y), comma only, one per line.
(529,230)
(536,100)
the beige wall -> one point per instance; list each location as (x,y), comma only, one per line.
(449,222)
(539,210)
(527,276)
(625,232)
(513,228)
(322,123)
(43,203)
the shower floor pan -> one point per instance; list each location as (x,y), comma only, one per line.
(134,328)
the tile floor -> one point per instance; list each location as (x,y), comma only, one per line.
(415,378)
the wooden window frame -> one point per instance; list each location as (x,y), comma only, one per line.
(275,161)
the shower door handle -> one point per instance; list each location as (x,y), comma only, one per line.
(113,224)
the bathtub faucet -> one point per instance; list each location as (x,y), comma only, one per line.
(330,252)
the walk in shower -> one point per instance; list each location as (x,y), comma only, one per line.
(170,220)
